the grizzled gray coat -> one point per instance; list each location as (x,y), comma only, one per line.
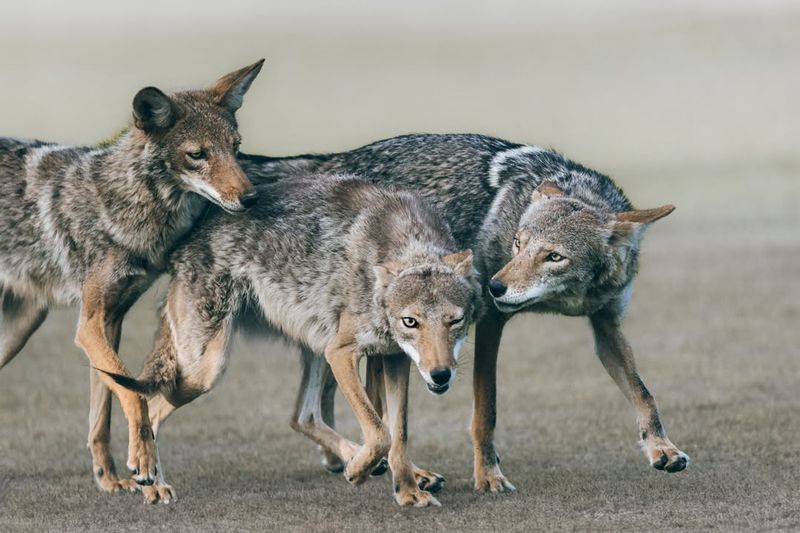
(549,235)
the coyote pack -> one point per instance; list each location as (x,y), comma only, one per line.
(343,268)
(96,225)
(548,234)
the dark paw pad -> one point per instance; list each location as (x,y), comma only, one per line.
(334,468)
(678,464)
(661,462)
(381,469)
(434,484)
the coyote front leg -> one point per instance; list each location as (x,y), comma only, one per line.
(376,388)
(406,489)
(342,354)
(102,293)
(488,476)
(617,357)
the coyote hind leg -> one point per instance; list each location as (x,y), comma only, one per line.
(315,402)
(159,409)
(318,387)
(330,460)
(19,319)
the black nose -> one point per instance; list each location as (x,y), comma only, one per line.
(249,199)
(496,288)
(441,376)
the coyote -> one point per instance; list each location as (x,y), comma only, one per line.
(96,226)
(340,267)
(549,235)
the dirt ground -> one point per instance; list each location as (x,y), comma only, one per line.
(694,105)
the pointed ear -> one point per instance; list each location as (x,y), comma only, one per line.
(229,90)
(546,190)
(627,227)
(645,216)
(386,272)
(153,110)
(461,262)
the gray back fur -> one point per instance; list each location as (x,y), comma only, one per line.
(482,185)
(308,252)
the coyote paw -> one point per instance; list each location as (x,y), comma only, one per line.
(492,480)
(383,466)
(330,460)
(158,492)
(109,482)
(362,464)
(664,455)
(427,480)
(115,485)
(415,497)
(142,456)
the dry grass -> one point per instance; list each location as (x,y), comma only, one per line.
(715,330)
(696,108)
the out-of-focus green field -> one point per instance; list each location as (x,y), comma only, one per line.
(694,104)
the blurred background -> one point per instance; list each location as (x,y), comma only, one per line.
(693,103)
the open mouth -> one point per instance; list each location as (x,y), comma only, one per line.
(438,389)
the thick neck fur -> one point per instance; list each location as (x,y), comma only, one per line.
(577,181)
(140,202)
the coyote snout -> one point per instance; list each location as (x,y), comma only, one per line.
(196,134)
(430,310)
(219,179)
(434,347)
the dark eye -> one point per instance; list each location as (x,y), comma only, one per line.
(198,155)
(516,243)
(236,147)
(409,322)
(457,321)
(555,257)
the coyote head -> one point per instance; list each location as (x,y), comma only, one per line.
(570,257)
(195,134)
(429,308)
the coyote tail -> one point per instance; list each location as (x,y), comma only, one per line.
(160,369)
